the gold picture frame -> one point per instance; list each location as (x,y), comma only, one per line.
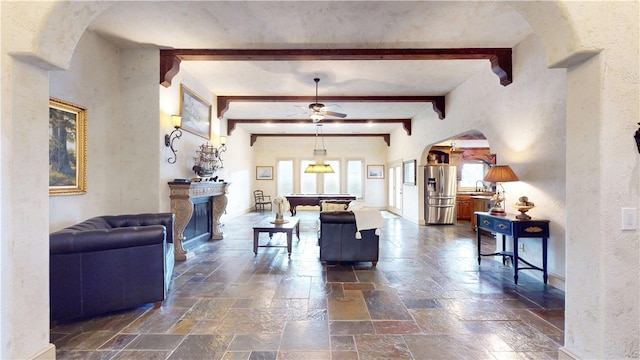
(195,112)
(67,148)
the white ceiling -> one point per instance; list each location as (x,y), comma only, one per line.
(320,25)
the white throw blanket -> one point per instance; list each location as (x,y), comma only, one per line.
(368,219)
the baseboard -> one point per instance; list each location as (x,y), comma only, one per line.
(557,282)
(48,353)
(564,354)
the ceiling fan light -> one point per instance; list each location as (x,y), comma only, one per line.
(316,117)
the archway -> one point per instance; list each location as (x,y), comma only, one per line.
(48,54)
(470,154)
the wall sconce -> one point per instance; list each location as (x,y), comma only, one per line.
(222,148)
(175,134)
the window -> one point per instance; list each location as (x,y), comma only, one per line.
(320,183)
(471,173)
(284,170)
(335,183)
(331,182)
(355,177)
(307,181)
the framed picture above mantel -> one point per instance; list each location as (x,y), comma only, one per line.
(67,148)
(195,112)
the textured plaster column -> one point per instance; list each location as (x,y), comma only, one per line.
(140,129)
(598,43)
(602,316)
(585,279)
(24,238)
(42,36)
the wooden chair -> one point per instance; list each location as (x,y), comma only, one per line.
(261,200)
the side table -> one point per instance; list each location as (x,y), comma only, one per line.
(516,228)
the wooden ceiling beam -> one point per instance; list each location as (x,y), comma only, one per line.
(231,123)
(499,58)
(438,102)
(385,137)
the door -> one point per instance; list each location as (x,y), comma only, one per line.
(395,187)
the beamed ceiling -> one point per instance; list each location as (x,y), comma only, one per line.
(381,63)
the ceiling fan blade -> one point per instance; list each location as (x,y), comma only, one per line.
(335,114)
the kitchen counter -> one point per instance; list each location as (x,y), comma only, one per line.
(465,204)
(482,197)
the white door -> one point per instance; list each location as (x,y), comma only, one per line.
(394,174)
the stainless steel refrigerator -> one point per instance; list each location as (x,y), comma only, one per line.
(440,194)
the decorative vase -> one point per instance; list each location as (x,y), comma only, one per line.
(279,218)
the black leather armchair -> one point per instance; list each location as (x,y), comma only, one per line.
(110,263)
(338,240)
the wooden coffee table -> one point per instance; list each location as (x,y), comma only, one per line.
(266,226)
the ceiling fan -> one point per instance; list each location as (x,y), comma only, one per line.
(319,111)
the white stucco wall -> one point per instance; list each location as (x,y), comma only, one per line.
(138,176)
(236,166)
(524,124)
(121,99)
(96,88)
(603,262)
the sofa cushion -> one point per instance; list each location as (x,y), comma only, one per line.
(73,241)
(329,206)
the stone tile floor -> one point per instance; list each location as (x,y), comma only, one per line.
(426,299)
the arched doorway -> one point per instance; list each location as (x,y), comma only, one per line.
(469,155)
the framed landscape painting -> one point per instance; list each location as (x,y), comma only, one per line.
(67,148)
(375,171)
(195,112)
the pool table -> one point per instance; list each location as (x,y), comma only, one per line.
(313,199)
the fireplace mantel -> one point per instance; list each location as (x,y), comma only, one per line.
(182,198)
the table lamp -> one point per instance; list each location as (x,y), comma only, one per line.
(499,174)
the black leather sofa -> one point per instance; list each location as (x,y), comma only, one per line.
(110,263)
(338,242)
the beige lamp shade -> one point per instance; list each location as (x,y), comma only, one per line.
(501,173)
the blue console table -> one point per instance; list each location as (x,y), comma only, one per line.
(516,228)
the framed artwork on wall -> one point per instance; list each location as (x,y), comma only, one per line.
(195,112)
(409,172)
(67,148)
(264,172)
(375,171)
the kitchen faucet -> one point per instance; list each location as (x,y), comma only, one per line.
(482,188)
